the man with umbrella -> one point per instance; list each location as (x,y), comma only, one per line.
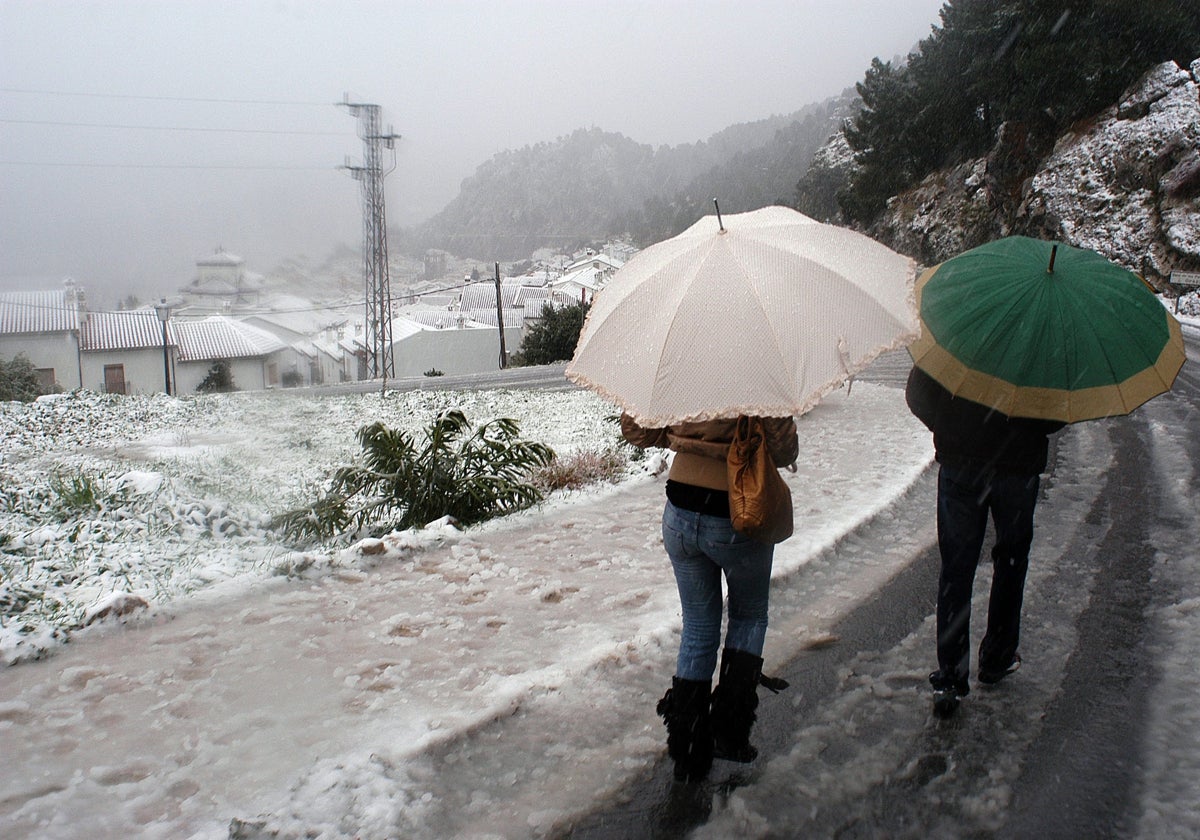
(989,462)
(1012,348)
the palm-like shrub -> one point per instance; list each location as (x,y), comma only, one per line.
(469,475)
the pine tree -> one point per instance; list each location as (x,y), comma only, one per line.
(554,337)
(1036,64)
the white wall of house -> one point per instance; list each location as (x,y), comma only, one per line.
(142,369)
(473,350)
(248,374)
(53,351)
(330,364)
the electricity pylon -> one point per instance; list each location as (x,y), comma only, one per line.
(376,280)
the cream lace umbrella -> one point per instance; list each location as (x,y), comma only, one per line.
(760,313)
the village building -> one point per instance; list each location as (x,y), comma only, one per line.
(44,327)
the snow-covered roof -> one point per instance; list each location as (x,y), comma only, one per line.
(137,329)
(483,296)
(33,312)
(221,257)
(512,317)
(533,299)
(595,261)
(435,318)
(218,337)
(402,328)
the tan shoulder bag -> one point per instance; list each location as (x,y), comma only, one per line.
(760,502)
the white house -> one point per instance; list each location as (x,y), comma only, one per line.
(461,346)
(583,278)
(44,326)
(123,352)
(253,354)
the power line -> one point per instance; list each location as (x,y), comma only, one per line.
(176,128)
(216,100)
(268,167)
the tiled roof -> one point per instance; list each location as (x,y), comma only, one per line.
(218,337)
(31,312)
(531,293)
(512,317)
(483,295)
(133,330)
(440,319)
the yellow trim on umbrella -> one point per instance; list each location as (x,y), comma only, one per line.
(1047,403)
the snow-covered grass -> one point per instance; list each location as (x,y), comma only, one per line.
(108,497)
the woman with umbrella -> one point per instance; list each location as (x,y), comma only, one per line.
(760,318)
(702,545)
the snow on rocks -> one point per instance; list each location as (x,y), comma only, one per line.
(1109,184)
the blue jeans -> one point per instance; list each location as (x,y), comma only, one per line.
(702,548)
(965,498)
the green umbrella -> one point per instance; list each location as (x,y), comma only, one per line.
(1045,330)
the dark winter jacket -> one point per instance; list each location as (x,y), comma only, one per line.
(971,436)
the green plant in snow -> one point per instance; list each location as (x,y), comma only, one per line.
(219,379)
(19,380)
(75,494)
(470,475)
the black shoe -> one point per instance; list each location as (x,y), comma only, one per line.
(942,683)
(947,693)
(945,703)
(991,677)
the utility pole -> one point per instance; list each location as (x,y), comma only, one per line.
(376,280)
(500,320)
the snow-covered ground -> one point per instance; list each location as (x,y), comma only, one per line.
(308,685)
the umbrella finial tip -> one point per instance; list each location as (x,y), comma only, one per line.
(720,224)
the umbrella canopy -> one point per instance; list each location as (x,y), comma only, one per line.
(763,313)
(1044,330)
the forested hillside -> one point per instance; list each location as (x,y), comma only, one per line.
(997,78)
(593,184)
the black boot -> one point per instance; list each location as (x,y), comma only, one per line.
(684,708)
(734,703)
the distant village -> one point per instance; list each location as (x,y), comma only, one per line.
(267,335)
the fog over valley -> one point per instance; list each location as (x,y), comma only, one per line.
(137,137)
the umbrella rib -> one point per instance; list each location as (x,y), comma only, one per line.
(695,272)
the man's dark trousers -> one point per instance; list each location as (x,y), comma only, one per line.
(965,497)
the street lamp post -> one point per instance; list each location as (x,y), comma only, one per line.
(163,310)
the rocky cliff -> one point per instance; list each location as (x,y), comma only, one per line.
(1125,183)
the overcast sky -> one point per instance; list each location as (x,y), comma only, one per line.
(139,135)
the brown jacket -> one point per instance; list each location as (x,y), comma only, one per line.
(702,447)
